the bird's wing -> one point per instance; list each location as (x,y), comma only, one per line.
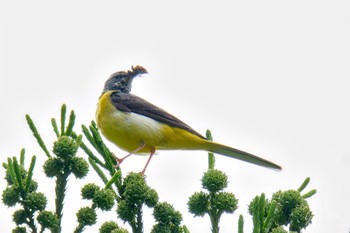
(131,103)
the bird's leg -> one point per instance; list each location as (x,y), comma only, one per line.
(149,159)
(120,160)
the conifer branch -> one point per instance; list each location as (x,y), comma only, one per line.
(98,171)
(71,123)
(63,118)
(240,224)
(37,135)
(211,156)
(60,192)
(55,127)
(309,194)
(30,174)
(22,157)
(115,177)
(17,173)
(91,155)
(11,170)
(304,184)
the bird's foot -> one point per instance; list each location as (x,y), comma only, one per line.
(119,160)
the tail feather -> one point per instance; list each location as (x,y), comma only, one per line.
(241,155)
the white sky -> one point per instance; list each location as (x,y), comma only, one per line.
(269,77)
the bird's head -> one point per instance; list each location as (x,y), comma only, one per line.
(122,80)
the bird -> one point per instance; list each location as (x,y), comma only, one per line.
(139,127)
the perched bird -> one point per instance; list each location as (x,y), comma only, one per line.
(139,127)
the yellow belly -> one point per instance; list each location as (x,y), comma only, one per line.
(129,130)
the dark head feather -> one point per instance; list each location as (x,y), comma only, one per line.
(122,80)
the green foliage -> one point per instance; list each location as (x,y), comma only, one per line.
(300,218)
(211,156)
(286,208)
(60,166)
(19,230)
(19,216)
(198,204)
(292,209)
(127,212)
(21,191)
(36,201)
(121,230)
(224,202)
(279,230)
(89,190)
(108,227)
(37,136)
(240,224)
(130,194)
(263,213)
(214,203)
(167,218)
(79,167)
(66,162)
(214,180)
(111,227)
(166,214)
(86,216)
(11,196)
(94,137)
(53,167)
(151,197)
(48,220)
(65,147)
(104,199)
(135,193)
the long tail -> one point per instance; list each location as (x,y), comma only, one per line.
(238,154)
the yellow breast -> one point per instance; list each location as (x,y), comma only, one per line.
(127,130)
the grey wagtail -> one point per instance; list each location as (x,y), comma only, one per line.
(139,127)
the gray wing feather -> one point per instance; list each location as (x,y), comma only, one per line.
(131,103)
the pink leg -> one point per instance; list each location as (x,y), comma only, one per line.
(149,159)
(120,160)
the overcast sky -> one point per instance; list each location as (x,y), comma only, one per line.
(268,77)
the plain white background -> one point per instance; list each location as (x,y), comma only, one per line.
(268,77)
